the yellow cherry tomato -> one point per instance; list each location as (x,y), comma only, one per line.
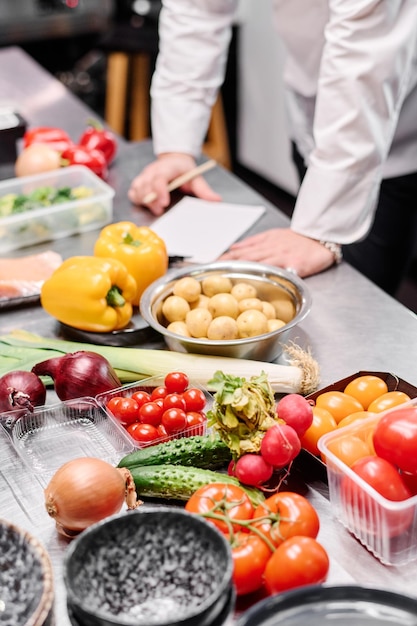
(348,449)
(323,422)
(354,417)
(338,403)
(366,389)
(388,401)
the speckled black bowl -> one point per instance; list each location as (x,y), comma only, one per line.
(26,580)
(155,566)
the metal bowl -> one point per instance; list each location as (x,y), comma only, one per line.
(154,566)
(272,283)
(26,579)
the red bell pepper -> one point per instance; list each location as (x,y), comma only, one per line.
(90,157)
(96,136)
(56,138)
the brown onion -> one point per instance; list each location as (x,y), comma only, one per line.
(37,158)
(86,490)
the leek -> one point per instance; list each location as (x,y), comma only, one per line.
(301,375)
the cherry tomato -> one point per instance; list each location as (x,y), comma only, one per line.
(150,413)
(323,422)
(141,397)
(364,509)
(195,400)
(395,438)
(388,401)
(289,514)
(176,382)
(162,433)
(159,392)
(298,561)
(354,417)
(338,403)
(366,389)
(349,449)
(145,433)
(250,556)
(124,409)
(174,420)
(174,401)
(227,501)
(196,423)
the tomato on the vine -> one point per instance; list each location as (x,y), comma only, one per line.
(297,562)
(176,382)
(125,410)
(250,555)
(289,514)
(228,502)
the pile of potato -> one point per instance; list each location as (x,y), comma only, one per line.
(217,308)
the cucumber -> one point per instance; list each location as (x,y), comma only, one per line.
(177,482)
(207,452)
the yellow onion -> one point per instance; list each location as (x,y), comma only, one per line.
(37,158)
(86,490)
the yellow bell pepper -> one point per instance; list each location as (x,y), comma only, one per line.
(90,293)
(139,248)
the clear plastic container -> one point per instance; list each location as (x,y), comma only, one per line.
(58,220)
(387,528)
(148,384)
(55,434)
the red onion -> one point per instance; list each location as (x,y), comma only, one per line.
(21,390)
(78,374)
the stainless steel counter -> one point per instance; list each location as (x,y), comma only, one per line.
(352,326)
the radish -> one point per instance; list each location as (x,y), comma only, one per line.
(296,411)
(280,445)
(253,470)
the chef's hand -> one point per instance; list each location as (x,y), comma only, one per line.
(285,248)
(156,176)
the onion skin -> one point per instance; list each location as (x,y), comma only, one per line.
(78,374)
(37,158)
(21,390)
(86,490)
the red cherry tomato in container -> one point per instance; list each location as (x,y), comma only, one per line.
(176,382)
(125,410)
(144,433)
(195,400)
(174,420)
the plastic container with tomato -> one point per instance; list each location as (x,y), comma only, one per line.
(181,413)
(374,498)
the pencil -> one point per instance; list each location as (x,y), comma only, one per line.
(184,178)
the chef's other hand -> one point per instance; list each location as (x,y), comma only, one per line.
(285,248)
(156,176)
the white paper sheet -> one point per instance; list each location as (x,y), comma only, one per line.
(202,230)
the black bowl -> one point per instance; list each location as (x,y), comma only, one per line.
(156,565)
(26,579)
(347,605)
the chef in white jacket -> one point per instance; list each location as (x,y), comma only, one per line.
(351,81)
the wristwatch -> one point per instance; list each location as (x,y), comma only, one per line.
(335,248)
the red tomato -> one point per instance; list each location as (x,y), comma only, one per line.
(366,389)
(364,509)
(159,392)
(141,397)
(195,400)
(145,433)
(150,413)
(289,514)
(250,556)
(124,409)
(226,501)
(298,561)
(174,420)
(323,422)
(395,438)
(176,382)
(162,433)
(196,423)
(174,401)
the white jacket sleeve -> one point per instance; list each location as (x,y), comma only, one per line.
(194,41)
(368,66)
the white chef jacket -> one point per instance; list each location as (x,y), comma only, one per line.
(351,79)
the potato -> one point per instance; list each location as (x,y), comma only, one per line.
(284,309)
(275,325)
(251,323)
(201,302)
(188,288)
(243,290)
(250,303)
(223,304)
(222,327)
(175,308)
(179,328)
(198,321)
(268,310)
(216,284)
